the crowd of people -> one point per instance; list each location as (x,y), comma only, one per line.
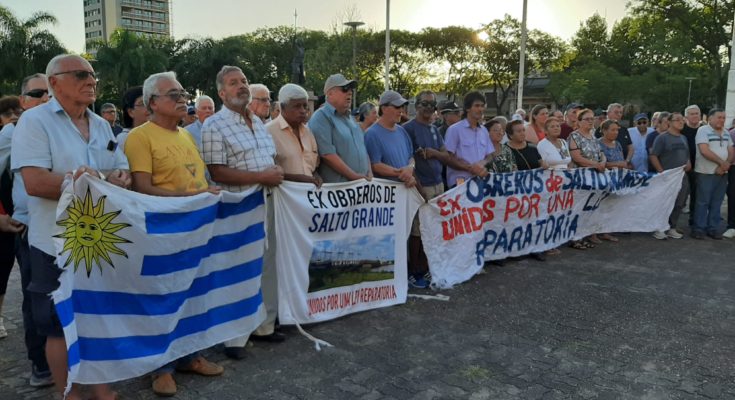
(167,146)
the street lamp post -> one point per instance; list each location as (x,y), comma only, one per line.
(354,25)
(730,97)
(522,64)
(387,45)
(689,94)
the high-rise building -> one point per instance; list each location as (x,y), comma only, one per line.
(145,17)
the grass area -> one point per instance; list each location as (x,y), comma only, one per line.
(327,279)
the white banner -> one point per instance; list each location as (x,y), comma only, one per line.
(513,214)
(341,248)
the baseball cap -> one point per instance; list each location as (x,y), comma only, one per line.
(393,98)
(574,105)
(516,117)
(449,106)
(338,80)
(640,116)
(190,110)
(599,112)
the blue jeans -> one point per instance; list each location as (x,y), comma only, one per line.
(710,195)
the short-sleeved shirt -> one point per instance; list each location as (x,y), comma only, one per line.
(390,147)
(614,153)
(556,158)
(171,157)
(566,130)
(46,137)
(527,157)
(718,143)
(672,150)
(589,148)
(298,157)
(339,134)
(469,144)
(228,140)
(195,128)
(20,197)
(424,136)
(503,161)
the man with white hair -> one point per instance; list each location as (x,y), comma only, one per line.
(693,119)
(108,111)
(296,149)
(338,137)
(204,108)
(50,140)
(260,101)
(165,161)
(240,153)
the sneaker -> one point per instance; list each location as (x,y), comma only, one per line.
(660,235)
(418,283)
(674,234)
(730,233)
(3,332)
(40,378)
(427,277)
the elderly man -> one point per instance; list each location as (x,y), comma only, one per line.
(469,141)
(338,137)
(108,111)
(296,150)
(165,161)
(693,119)
(715,154)
(34,92)
(260,101)
(50,141)
(240,153)
(204,108)
(451,114)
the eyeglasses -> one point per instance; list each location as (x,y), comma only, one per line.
(175,96)
(108,112)
(427,104)
(642,122)
(36,93)
(262,99)
(79,74)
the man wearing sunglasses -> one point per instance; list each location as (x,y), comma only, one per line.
(34,92)
(339,139)
(638,137)
(52,140)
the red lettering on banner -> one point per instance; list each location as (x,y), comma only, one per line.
(525,207)
(340,301)
(470,220)
(561,201)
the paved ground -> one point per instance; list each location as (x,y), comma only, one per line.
(640,319)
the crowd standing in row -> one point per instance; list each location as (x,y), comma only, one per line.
(170,148)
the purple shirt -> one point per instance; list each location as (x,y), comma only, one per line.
(471,145)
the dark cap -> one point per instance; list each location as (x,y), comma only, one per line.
(574,105)
(190,110)
(449,106)
(640,116)
(600,112)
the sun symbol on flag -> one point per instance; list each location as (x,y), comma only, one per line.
(90,233)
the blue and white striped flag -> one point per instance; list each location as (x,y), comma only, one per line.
(148,279)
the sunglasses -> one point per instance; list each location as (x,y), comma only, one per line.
(36,93)
(79,74)
(642,122)
(428,104)
(175,96)
(346,89)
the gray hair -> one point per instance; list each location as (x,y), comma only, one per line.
(692,107)
(288,92)
(107,106)
(202,98)
(24,84)
(53,66)
(259,87)
(613,106)
(663,116)
(150,86)
(220,79)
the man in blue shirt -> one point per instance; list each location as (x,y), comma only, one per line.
(339,139)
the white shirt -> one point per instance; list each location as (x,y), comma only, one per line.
(45,137)
(718,143)
(557,158)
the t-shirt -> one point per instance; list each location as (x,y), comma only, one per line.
(527,157)
(718,144)
(423,136)
(671,150)
(566,130)
(172,158)
(392,148)
(690,133)
(556,158)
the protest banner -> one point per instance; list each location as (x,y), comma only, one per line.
(341,247)
(512,214)
(147,280)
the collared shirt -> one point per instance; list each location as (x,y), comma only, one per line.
(469,144)
(429,171)
(228,140)
(195,128)
(294,156)
(20,197)
(718,142)
(46,137)
(339,134)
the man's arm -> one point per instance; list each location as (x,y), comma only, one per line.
(708,154)
(338,165)
(41,182)
(271,176)
(143,183)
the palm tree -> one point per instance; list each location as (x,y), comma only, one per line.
(26,47)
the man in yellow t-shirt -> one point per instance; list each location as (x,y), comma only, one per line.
(165,161)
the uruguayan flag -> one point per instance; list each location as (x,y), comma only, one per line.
(147,279)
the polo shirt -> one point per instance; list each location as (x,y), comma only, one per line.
(46,137)
(718,143)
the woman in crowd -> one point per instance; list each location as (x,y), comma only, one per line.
(367,114)
(613,152)
(525,153)
(9,110)
(503,157)
(535,132)
(553,149)
(586,152)
(134,113)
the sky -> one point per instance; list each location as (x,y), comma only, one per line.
(221,18)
